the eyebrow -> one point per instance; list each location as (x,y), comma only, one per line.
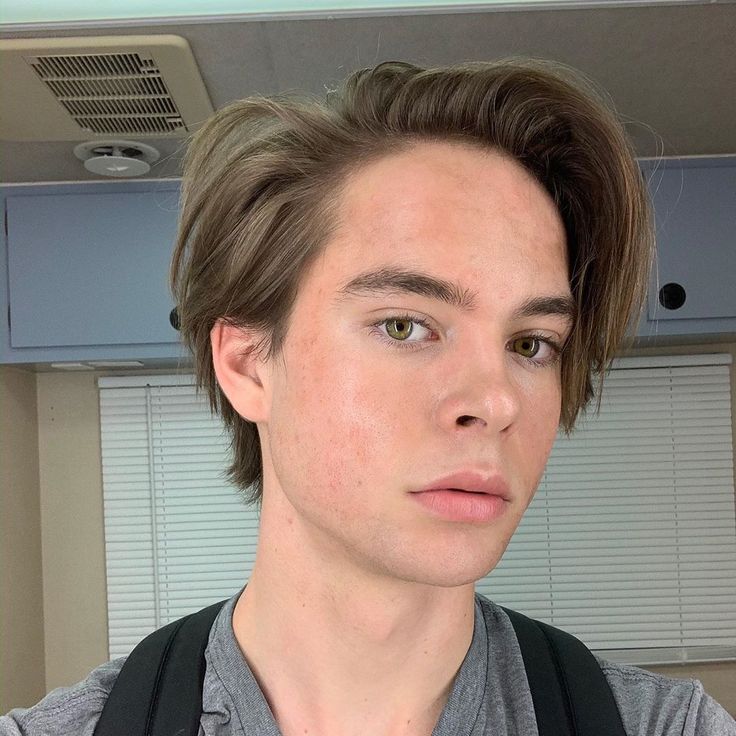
(391,280)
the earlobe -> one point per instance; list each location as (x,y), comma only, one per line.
(240,371)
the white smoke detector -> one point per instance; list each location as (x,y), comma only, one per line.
(116,157)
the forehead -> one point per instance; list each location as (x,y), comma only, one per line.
(440,174)
(448,207)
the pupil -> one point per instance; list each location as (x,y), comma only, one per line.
(402,326)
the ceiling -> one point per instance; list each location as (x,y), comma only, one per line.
(670,70)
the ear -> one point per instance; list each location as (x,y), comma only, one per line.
(242,375)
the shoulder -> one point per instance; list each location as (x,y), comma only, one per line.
(650,704)
(65,711)
(655,705)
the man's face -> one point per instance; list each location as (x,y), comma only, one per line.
(381,393)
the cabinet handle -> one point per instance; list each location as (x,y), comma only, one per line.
(672,296)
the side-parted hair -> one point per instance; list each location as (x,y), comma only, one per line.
(262,176)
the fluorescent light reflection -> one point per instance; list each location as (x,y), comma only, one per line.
(68,11)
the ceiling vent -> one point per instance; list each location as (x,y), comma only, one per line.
(72,88)
(111,93)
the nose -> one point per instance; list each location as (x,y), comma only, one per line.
(480,395)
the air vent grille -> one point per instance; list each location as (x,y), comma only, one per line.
(111,93)
(94,65)
(121,87)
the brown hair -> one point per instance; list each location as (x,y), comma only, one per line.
(260,179)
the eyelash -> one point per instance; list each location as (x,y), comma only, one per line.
(554,346)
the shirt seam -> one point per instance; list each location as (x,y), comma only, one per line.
(482,699)
(498,613)
(94,693)
(224,685)
(689,707)
(651,677)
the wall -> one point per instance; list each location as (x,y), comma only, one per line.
(75,610)
(73,545)
(22,678)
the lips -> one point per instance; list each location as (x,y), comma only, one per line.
(471,482)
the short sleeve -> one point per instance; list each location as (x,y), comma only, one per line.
(709,718)
(65,711)
(655,705)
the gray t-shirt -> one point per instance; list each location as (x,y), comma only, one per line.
(490,694)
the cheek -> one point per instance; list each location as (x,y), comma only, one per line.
(540,399)
(538,422)
(334,422)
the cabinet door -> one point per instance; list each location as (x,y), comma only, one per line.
(90,269)
(696,243)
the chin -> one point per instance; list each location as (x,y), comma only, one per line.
(446,578)
(447,571)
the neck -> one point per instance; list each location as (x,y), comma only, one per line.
(338,649)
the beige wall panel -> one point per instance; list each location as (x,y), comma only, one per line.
(22,676)
(75,609)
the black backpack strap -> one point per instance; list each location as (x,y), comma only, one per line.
(158,691)
(570,692)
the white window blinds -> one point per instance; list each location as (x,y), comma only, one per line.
(177,536)
(629,544)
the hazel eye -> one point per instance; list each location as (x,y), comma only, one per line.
(396,330)
(399,329)
(527,347)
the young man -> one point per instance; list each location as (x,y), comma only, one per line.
(394,299)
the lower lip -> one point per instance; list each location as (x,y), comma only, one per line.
(461,505)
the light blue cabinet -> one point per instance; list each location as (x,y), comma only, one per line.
(97,276)
(693,285)
(84,267)
(87,272)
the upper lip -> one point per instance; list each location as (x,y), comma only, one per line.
(471,480)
